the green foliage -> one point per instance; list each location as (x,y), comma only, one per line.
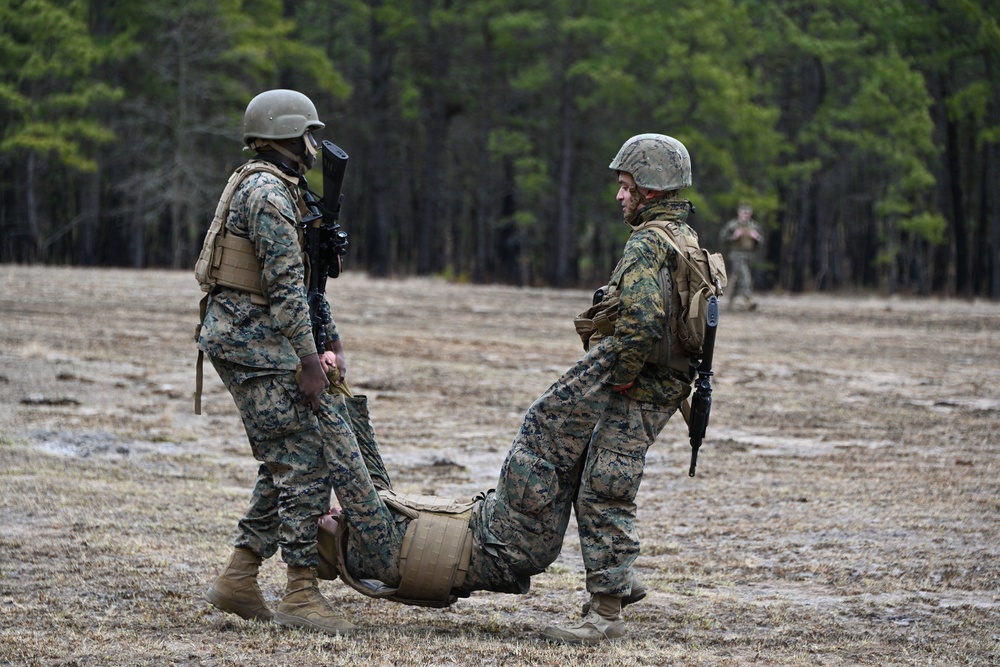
(48,58)
(928,226)
(835,118)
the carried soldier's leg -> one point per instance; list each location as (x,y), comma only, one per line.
(375,536)
(364,434)
(540,476)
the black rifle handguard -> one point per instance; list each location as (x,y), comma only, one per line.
(325,241)
(701,402)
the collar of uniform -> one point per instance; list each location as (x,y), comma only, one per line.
(670,210)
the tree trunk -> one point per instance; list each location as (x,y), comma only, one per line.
(562,250)
(430,241)
(483,269)
(953,160)
(90,210)
(379,248)
(34,248)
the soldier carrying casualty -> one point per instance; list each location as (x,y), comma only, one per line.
(581,445)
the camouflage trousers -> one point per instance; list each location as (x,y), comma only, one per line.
(376,534)
(292,489)
(579,444)
(740,275)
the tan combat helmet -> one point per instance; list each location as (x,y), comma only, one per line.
(279,114)
(656,162)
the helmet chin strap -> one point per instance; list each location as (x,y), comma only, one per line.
(259,145)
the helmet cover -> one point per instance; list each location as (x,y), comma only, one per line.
(655,161)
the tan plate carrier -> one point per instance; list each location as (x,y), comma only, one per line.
(227,260)
(434,558)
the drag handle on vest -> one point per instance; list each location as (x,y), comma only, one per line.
(701,402)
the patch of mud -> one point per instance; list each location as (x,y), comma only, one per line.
(78,444)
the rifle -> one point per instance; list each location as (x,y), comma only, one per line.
(701,402)
(325,241)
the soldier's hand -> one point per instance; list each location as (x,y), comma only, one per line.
(313,382)
(337,348)
(329,360)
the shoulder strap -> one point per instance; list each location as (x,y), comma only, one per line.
(664,230)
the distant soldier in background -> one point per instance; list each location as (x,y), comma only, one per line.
(741,237)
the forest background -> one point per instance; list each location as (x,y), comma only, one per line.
(865,134)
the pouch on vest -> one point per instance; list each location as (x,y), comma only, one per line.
(598,321)
(227,259)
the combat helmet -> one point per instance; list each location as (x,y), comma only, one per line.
(279,114)
(656,162)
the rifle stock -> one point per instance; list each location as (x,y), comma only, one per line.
(701,402)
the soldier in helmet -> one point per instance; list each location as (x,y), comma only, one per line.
(630,395)
(257,332)
(581,444)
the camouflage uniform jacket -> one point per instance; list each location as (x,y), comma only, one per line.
(642,318)
(265,209)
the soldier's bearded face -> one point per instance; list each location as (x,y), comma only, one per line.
(626,194)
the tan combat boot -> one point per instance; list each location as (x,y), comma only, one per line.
(603,622)
(236,590)
(305,607)
(638,592)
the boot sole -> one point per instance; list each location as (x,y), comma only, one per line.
(223,603)
(287,621)
(582,640)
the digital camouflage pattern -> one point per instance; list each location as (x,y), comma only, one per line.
(578,425)
(655,161)
(642,319)
(256,349)
(581,442)
(265,209)
(578,442)
(741,240)
(377,533)
(292,488)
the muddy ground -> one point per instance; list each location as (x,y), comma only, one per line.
(845,512)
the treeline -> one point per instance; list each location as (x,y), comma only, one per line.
(865,134)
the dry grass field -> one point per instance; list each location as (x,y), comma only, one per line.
(846,509)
